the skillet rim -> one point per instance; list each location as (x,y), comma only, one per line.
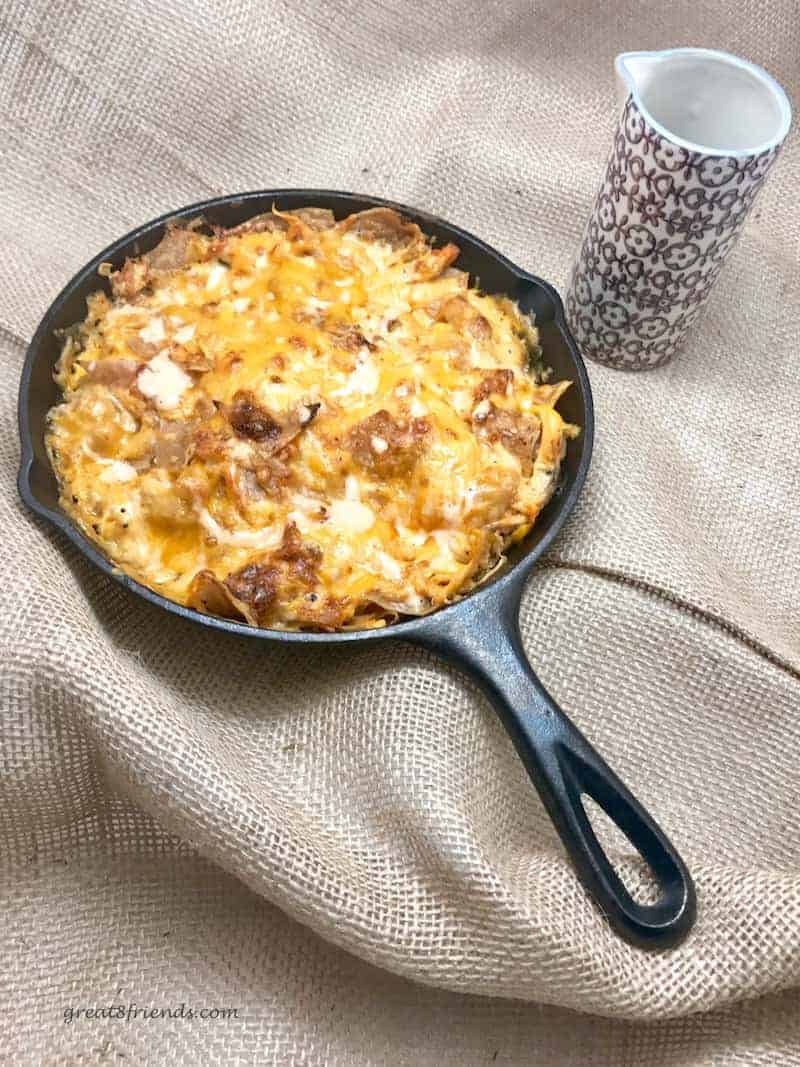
(410,629)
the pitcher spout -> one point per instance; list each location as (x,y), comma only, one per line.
(634,70)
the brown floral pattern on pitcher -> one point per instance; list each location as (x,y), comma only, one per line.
(663,222)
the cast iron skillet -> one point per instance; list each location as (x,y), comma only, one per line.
(479,634)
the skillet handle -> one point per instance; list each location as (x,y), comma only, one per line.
(563,766)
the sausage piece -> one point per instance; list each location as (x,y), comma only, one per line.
(387,445)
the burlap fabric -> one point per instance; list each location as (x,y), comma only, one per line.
(341,845)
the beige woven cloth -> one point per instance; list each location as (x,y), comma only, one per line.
(341,845)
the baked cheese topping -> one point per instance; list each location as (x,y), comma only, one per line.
(304,424)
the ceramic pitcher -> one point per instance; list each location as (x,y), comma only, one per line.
(697,137)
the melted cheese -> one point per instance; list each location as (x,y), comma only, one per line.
(351,517)
(163,381)
(153,333)
(117,470)
(298,509)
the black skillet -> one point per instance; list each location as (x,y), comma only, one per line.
(480,634)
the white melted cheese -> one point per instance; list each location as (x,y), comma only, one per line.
(125,419)
(445,540)
(388,566)
(163,382)
(279,396)
(351,516)
(262,539)
(118,471)
(413,603)
(378,324)
(365,380)
(301,521)
(506,459)
(122,311)
(415,538)
(239,451)
(309,505)
(480,357)
(378,254)
(185,333)
(543,482)
(461,400)
(452,511)
(154,332)
(216,276)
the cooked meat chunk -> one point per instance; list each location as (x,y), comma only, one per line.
(347,336)
(302,558)
(248,419)
(273,474)
(166,501)
(190,359)
(207,593)
(120,372)
(460,313)
(480,327)
(517,433)
(144,349)
(384,225)
(173,251)
(204,408)
(131,279)
(209,444)
(256,586)
(266,223)
(318,218)
(323,613)
(252,421)
(435,262)
(387,445)
(497,382)
(173,445)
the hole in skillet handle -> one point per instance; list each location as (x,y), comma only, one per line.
(661,924)
(482,638)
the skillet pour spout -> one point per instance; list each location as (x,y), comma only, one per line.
(480,634)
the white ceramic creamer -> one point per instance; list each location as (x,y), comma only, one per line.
(697,137)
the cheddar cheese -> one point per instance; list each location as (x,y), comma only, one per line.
(304,423)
